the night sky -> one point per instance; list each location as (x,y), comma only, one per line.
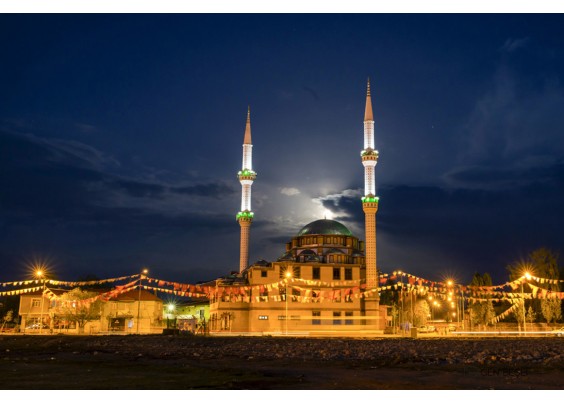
(121,135)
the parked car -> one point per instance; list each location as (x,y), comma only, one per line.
(426,329)
(559,332)
(451,327)
(36,326)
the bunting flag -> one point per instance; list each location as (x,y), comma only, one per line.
(93,282)
(20,283)
(174,292)
(328,291)
(19,292)
(504,314)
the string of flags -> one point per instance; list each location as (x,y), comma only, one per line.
(307,290)
(504,314)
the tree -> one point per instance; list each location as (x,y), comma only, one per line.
(541,263)
(422,313)
(531,315)
(482,312)
(551,310)
(7,319)
(77,306)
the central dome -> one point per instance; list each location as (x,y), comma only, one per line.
(324,227)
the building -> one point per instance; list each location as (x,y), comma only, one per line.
(325,282)
(133,312)
(130,312)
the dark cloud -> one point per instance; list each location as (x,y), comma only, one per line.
(505,177)
(279,240)
(512,44)
(425,228)
(51,195)
(215,190)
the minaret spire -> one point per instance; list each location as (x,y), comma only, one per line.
(247,139)
(370,206)
(246,177)
(368,108)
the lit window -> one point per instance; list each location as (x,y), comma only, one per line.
(316,318)
(263,317)
(315,295)
(336,318)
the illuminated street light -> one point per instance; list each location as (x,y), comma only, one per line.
(40,274)
(288,276)
(402,319)
(170,307)
(527,276)
(144,272)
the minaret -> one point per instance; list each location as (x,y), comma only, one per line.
(246,176)
(370,205)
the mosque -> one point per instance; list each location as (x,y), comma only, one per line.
(326,280)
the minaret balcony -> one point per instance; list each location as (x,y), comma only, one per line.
(369,155)
(247,174)
(245,216)
(370,201)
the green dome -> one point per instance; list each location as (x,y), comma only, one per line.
(324,227)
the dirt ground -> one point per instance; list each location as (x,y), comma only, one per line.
(157,362)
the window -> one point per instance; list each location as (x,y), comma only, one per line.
(348,274)
(348,321)
(337,296)
(297,272)
(336,318)
(336,273)
(281,317)
(295,294)
(316,273)
(263,273)
(35,303)
(316,315)
(315,294)
(349,296)
(263,317)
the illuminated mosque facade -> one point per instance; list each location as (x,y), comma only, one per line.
(326,280)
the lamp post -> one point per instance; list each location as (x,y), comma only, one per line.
(143,272)
(462,307)
(401,295)
(526,276)
(288,276)
(40,274)
(170,316)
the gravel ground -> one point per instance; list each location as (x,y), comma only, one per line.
(184,362)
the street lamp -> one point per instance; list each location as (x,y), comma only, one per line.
(171,307)
(527,276)
(401,318)
(39,273)
(288,277)
(144,272)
